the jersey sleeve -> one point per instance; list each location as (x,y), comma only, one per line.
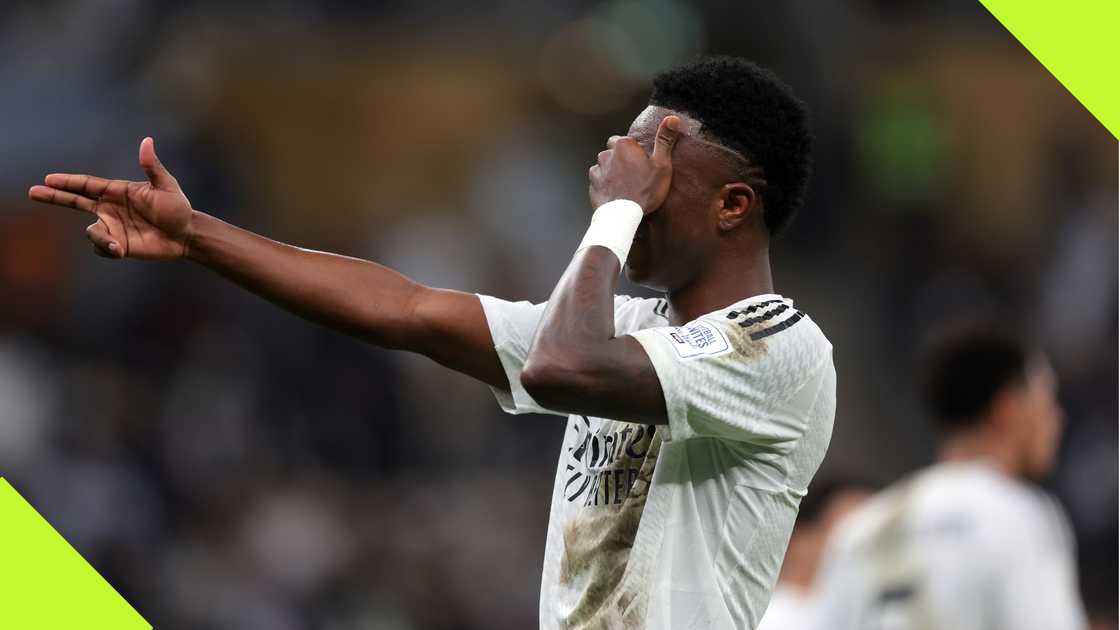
(1035,580)
(513,326)
(757,385)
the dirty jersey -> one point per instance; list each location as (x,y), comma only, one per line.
(682,526)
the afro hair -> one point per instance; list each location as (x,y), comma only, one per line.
(747,108)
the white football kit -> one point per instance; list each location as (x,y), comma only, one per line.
(682,526)
(789,609)
(958,545)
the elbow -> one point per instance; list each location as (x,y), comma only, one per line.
(551,380)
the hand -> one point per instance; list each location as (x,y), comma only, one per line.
(148,220)
(625,171)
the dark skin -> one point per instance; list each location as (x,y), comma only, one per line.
(702,241)
(153,220)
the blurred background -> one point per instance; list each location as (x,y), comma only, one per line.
(225,465)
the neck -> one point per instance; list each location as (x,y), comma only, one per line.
(726,281)
(979,445)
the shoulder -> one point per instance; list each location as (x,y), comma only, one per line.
(635,313)
(772,334)
(993,514)
(764,337)
(980,487)
(1005,513)
(771,320)
(1021,512)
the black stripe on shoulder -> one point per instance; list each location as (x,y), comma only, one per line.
(752,308)
(779,327)
(661,308)
(768,315)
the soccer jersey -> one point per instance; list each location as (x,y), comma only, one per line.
(682,526)
(789,609)
(959,545)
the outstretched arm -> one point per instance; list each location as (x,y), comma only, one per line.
(154,220)
(576,363)
(358,297)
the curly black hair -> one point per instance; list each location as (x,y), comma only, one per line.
(747,108)
(966,365)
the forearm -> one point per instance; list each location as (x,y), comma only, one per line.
(576,363)
(358,297)
(570,348)
(580,312)
(579,318)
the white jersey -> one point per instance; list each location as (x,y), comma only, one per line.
(958,545)
(789,609)
(682,526)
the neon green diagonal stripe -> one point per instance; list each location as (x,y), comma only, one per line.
(1079,43)
(45,584)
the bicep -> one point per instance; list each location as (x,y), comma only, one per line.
(450,327)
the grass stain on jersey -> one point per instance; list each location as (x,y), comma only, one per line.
(740,339)
(597,550)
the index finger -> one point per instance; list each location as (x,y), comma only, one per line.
(46,194)
(85,185)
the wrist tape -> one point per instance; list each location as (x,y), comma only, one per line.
(613,226)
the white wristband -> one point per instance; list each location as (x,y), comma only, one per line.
(613,226)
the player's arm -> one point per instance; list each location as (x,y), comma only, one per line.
(358,297)
(154,221)
(576,363)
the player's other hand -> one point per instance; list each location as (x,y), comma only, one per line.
(626,171)
(149,220)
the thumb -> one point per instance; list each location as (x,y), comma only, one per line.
(103,243)
(667,134)
(157,174)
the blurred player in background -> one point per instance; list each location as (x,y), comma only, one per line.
(968,543)
(823,508)
(694,422)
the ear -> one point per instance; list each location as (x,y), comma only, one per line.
(1006,411)
(738,204)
